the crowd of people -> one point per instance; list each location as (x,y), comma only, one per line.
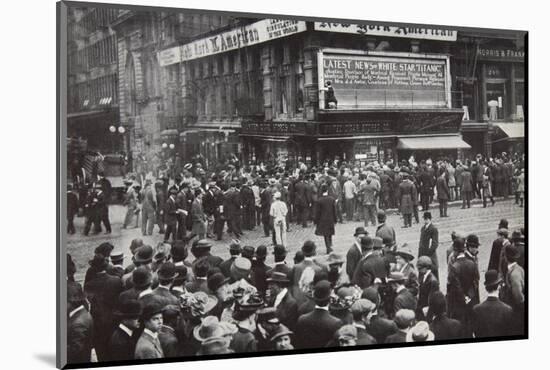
(199,203)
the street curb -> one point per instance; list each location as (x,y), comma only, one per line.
(453,204)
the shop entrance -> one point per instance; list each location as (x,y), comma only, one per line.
(496,100)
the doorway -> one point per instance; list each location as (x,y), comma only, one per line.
(496,100)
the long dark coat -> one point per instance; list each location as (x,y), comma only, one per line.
(325,216)
(427,246)
(407,195)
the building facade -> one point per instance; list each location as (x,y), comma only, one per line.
(199,86)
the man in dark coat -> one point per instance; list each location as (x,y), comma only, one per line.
(301,201)
(232,208)
(462,293)
(385,231)
(492,318)
(160,202)
(513,292)
(362,310)
(79,326)
(403,299)
(171,215)
(325,217)
(148,345)
(407,196)
(441,325)
(122,344)
(203,248)
(496,249)
(428,284)
(317,328)
(72,209)
(429,240)
(379,327)
(279,255)
(248,204)
(354,255)
(426,187)
(167,333)
(372,268)
(443,194)
(467,187)
(266,198)
(102,292)
(283,302)
(234,252)
(309,250)
(259,269)
(200,269)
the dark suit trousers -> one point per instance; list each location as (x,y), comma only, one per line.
(235,221)
(171,230)
(301,214)
(219,223)
(182,227)
(425,200)
(258,216)
(70,224)
(442,207)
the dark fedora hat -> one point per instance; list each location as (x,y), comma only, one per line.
(309,248)
(492,280)
(427,215)
(178,251)
(367,242)
(167,271)
(235,247)
(142,277)
(99,262)
(377,242)
(144,254)
(321,291)
(279,278)
(105,249)
(248,252)
(512,252)
(216,280)
(135,244)
(128,309)
(360,230)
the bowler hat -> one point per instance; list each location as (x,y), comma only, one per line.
(235,247)
(248,252)
(378,242)
(240,269)
(128,309)
(144,254)
(141,277)
(181,274)
(151,309)
(458,245)
(360,231)
(427,215)
(335,259)
(167,271)
(503,224)
(278,277)
(135,244)
(381,216)
(424,261)
(279,250)
(261,251)
(512,252)
(104,249)
(216,280)
(321,291)
(472,240)
(492,279)
(503,232)
(308,248)
(367,242)
(280,331)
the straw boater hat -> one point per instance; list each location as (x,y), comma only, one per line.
(240,269)
(209,328)
(420,333)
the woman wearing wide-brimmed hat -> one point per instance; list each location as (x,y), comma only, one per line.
(403,263)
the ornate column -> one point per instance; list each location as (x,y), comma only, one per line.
(267,85)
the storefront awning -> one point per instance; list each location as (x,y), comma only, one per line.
(432,142)
(512,130)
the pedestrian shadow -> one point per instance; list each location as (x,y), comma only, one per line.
(47,358)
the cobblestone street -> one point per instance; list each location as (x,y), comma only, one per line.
(478,220)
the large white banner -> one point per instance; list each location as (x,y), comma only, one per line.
(429,33)
(252,34)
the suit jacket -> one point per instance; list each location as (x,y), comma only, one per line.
(148,204)
(385,231)
(122,346)
(301,196)
(169,341)
(494,259)
(492,318)
(445,328)
(404,300)
(363,337)
(325,216)
(244,341)
(514,286)
(79,337)
(425,289)
(287,311)
(103,292)
(380,328)
(353,257)
(371,267)
(165,296)
(466,181)
(258,275)
(398,337)
(316,329)
(442,189)
(170,215)
(147,347)
(429,240)
(463,280)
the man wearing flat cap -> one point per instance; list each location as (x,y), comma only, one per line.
(122,343)
(148,345)
(317,328)
(283,302)
(492,318)
(404,319)
(362,310)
